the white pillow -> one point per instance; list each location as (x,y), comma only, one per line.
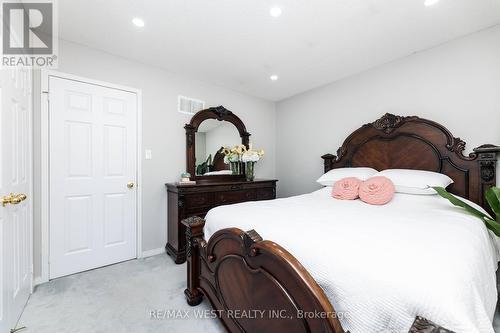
(416,181)
(329,178)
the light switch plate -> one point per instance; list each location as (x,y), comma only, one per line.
(149,154)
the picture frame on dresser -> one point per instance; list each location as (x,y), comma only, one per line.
(189,200)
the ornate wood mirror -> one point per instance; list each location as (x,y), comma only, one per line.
(209,131)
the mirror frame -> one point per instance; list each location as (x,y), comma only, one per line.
(219,113)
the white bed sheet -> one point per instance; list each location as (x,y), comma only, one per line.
(417,255)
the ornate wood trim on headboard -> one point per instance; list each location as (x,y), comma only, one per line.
(415,143)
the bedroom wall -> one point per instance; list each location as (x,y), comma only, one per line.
(163,127)
(456,84)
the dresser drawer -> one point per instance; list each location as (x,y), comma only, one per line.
(235,196)
(198,202)
(266,193)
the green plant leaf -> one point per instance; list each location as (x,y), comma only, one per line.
(493,197)
(493,226)
(457,202)
(490,224)
(202,168)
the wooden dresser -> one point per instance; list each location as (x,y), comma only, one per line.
(197,199)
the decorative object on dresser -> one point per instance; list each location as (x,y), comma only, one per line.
(185,176)
(238,270)
(216,185)
(232,157)
(250,157)
(239,155)
(186,179)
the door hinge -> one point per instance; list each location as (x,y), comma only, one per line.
(14,330)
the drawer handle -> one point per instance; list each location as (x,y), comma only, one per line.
(235,187)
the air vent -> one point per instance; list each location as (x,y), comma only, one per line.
(189,105)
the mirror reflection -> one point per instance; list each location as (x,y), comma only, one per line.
(212,135)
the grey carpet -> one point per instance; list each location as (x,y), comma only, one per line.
(116,299)
(120,298)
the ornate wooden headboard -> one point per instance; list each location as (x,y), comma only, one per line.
(416,143)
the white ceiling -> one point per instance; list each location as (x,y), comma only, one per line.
(237,44)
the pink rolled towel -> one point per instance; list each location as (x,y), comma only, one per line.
(377,190)
(346,188)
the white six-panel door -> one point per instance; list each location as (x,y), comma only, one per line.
(93,170)
(15,192)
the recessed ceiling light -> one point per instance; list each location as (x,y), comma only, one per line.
(275,11)
(429,3)
(138,22)
(273,77)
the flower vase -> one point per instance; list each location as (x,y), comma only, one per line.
(235,168)
(249,171)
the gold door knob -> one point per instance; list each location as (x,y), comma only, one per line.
(13,199)
(130,184)
(7,199)
(22,196)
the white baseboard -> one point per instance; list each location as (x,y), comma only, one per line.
(153,252)
(149,253)
(39,280)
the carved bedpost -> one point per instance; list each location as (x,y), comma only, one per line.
(194,242)
(329,159)
(487,159)
(250,238)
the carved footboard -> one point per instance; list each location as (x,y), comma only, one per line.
(256,285)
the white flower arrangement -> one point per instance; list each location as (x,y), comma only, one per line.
(250,156)
(240,153)
(233,154)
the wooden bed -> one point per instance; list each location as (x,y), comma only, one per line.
(237,270)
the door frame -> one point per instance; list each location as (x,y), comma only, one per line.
(45,166)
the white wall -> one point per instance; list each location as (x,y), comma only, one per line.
(456,84)
(163,126)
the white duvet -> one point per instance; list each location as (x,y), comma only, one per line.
(417,255)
